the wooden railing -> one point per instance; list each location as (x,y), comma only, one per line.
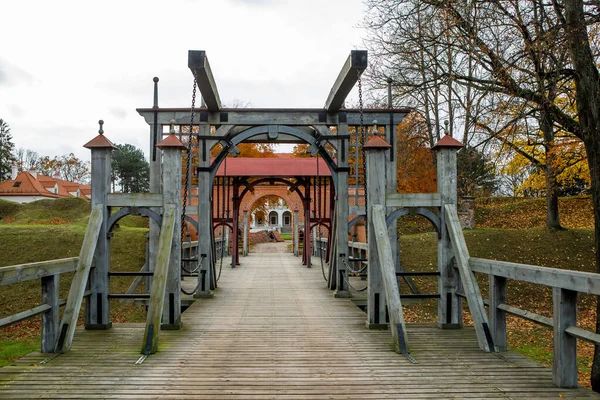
(49,273)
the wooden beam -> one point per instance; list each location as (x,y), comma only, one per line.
(134,200)
(159,282)
(352,69)
(583,282)
(198,64)
(413,200)
(26,272)
(564,363)
(471,288)
(390,283)
(77,290)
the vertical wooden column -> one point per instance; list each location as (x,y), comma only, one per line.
(155,163)
(246,229)
(564,365)
(171,148)
(341,217)
(497,317)
(235,255)
(50,320)
(296,233)
(205,228)
(449,305)
(97,305)
(391,182)
(376,150)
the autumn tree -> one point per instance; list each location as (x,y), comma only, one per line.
(27,159)
(6,148)
(67,166)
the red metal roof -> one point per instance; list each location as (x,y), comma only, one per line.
(447,141)
(377,142)
(170,141)
(99,141)
(275,167)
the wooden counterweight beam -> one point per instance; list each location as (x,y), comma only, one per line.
(354,66)
(198,64)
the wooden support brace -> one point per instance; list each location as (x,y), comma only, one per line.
(198,64)
(77,290)
(353,67)
(159,283)
(471,288)
(564,365)
(390,283)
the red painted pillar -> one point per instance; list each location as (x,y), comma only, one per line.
(235,255)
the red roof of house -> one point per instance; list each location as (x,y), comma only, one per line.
(25,185)
(275,167)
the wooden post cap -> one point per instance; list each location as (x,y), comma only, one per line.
(377,142)
(170,141)
(100,141)
(447,142)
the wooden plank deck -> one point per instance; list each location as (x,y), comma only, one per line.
(274,331)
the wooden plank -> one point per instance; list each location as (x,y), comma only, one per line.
(200,67)
(13,319)
(528,315)
(356,210)
(582,334)
(26,272)
(159,283)
(353,67)
(390,283)
(413,200)
(564,363)
(471,288)
(77,289)
(583,282)
(50,286)
(497,315)
(134,200)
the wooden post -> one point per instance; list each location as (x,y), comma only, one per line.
(375,153)
(497,317)
(205,227)
(155,182)
(246,229)
(340,246)
(171,148)
(296,233)
(50,319)
(97,305)
(449,304)
(391,182)
(564,365)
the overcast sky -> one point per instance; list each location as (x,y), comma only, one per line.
(65,64)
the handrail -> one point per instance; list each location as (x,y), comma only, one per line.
(36,270)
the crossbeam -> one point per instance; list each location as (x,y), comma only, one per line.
(198,64)
(352,69)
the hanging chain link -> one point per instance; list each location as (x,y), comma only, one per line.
(363,140)
(188,161)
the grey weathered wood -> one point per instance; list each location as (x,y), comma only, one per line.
(471,288)
(449,305)
(528,315)
(582,334)
(391,184)
(583,282)
(155,187)
(275,116)
(413,200)
(352,69)
(564,364)
(12,319)
(205,225)
(80,279)
(26,272)
(497,316)
(97,315)
(134,199)
(390,283)
(198,64)
(50,321)
(341,214)
(159,283)
(172,196)
(376,306)
(356,210)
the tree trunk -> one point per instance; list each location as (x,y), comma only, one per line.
(588,108)
(552,216)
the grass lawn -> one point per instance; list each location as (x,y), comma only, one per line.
(286,236)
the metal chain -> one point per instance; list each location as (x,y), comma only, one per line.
(348,282)
(321,253)
(363,139)
(188,162)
